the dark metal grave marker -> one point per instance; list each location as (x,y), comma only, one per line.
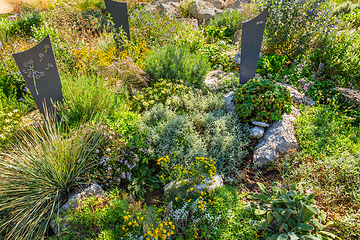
(252,36)
(38,67)
(119,14)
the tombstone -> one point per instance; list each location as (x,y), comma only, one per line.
(119,14)
(252,36)
(38,67)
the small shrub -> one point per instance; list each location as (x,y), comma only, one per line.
(162,92)
(232,19)
(213,34)
(171,62)
(353,18)
(270,64)
(291,26)
(262,100)
(115,159)
(24,24)
(159,29)
(217,55)
(289,214)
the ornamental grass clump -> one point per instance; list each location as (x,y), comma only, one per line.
(37,175)
(262,100)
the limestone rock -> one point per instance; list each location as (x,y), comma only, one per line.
(256,132)
(209,184)
(298,97)
(278,139)
(260,124)
(170,8)
(235,5)
(203,10)
(93,190)
(229,104)
(237,58)
(217,3)
(213,78)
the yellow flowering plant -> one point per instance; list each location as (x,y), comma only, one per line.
(184,180)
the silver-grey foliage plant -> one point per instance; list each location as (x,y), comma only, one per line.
(216,134)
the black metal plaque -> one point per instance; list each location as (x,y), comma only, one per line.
(38,67)
(252,36)
(119,14)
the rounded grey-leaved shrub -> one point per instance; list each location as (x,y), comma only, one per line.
(216,134)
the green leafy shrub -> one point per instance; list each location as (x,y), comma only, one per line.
(115,158)
(162,92)
(143,177)
(23,24)
(336,54)
(213,34)
(38,173)
(171,62)
(216,134)
(291,26)
(217,55)
(270,64)
(288,214)
(262,100)
(40,32)
(232,19)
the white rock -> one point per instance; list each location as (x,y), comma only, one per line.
(235,5)
(213,78)
(217,3)
(229,104)
(278,140)
(208,185)
(260,124)
(256,132)
(203,10)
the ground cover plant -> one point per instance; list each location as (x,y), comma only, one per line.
(138,116)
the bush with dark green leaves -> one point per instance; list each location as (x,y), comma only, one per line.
(262,100)
(172,62)
(289,214)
